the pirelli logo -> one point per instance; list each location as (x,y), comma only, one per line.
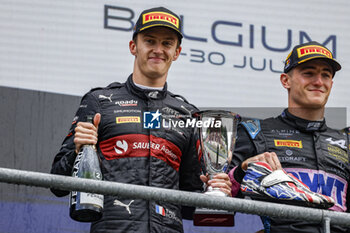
(160,16)
(288,143)
(313,49)
(128,119)
(288,62)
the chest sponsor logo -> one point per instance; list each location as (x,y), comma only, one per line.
(121,147)
(291,159)
(104,97)
(324,183)
(154,146)
(128,119)
(170,111)
(285,132)
(338,153)
(130,111)
(288,143)
(126,103)
(289,152)
(139,145)
(340,143)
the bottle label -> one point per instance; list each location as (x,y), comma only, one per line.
(76,164)
(84,168)
(91,198)
(73,198)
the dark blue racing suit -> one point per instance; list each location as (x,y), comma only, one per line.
(316,154)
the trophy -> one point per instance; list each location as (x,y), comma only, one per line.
(217,139)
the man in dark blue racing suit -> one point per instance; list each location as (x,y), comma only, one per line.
(299,139)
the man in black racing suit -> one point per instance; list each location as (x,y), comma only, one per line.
(299,139)
(131,141)
(124,147)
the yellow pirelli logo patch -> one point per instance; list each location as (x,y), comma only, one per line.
(160,16)
(288,143)
(313,49)
(128,119)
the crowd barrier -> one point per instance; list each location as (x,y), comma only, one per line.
(324,217)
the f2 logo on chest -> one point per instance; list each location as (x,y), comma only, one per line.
(340,143)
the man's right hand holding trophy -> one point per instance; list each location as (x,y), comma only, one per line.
(217,142)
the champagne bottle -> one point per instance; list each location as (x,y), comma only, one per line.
(86,207)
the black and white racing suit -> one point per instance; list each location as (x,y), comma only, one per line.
(132,154)
(316,154)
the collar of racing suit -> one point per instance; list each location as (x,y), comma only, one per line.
(302,124)
(145,93)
